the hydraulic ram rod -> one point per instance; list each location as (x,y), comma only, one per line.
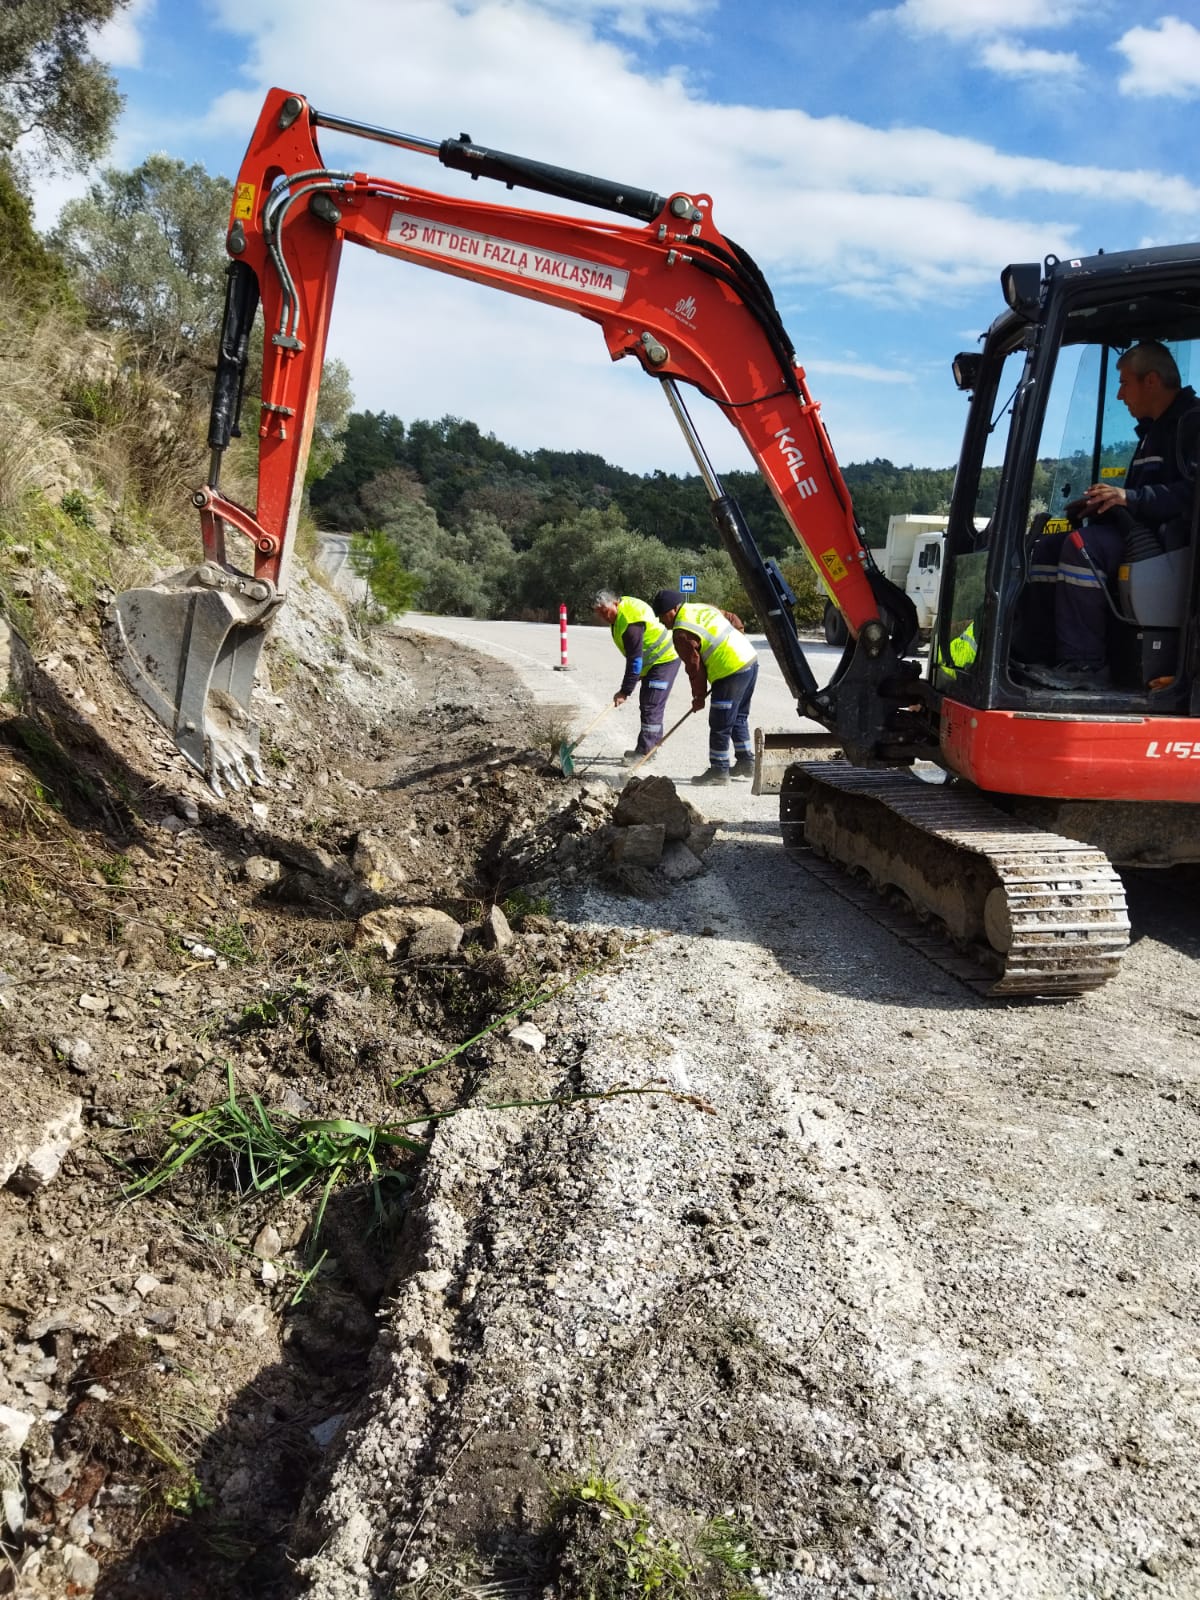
(464,155)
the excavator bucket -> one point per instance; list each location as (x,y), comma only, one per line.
(775,752)
(189,645)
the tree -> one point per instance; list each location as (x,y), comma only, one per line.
(384,495)
(375,557)
(334,399)
(146,251)
(570,559)
(372,444)
(465,572)
(50,85)
(31,277)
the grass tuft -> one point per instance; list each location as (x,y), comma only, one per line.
(277,1152)
(610,1549)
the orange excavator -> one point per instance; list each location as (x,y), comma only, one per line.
(993,804)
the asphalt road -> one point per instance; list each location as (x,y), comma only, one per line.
(593,676)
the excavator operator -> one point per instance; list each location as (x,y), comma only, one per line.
(1066,601)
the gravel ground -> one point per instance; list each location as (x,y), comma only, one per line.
(899,1282)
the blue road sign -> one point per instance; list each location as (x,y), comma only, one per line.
(687,584)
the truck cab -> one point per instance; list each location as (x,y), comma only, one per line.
(911,559)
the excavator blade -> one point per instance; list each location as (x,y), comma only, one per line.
(1013,910)
(188,646)
(775,751)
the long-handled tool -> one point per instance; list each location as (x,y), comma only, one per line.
(662,741)
(565,750)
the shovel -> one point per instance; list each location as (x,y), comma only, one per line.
(566,750)
(660,743)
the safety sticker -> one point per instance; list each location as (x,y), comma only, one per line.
(832,563)
(1112,472)
(243,202)
(507,255)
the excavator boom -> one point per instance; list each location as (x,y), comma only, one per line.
(685,302)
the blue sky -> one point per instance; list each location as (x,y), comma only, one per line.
(881,162)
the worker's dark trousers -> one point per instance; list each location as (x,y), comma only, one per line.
(729,714)
(1065,593)
(652,703)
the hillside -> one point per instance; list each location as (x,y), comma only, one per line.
(165,956)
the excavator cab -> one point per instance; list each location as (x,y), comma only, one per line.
(1045,422)
(1045,787)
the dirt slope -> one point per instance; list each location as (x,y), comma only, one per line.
(888,1293)
(163,1361)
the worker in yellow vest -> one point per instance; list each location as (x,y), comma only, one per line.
(722,667)
(963,650)
(650,660)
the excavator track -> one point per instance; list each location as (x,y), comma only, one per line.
(1010,910)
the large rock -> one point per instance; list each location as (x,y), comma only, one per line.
(424,931)
(15,661)
(264,870)
(497,934)
(377,864)
(700,837)
(640,845)
(654,801)
(438,935)
(679,863)
(15,1428)
(38,1131)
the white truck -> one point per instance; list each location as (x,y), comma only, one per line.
(912,559)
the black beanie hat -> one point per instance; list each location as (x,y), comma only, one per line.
(666,600)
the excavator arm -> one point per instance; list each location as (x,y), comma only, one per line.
(667,289)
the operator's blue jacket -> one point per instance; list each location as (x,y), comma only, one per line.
(1161,481)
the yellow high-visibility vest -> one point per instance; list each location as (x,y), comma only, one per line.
(724,649)
(656,641)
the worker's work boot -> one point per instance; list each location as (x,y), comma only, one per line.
(713,775)
(630,756)
(743,767)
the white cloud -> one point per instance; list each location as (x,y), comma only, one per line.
(884,196)
(907,218)
(121,41)
(1019,61)
(1163,60)
(858,369)
(673,19)
(968,19)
